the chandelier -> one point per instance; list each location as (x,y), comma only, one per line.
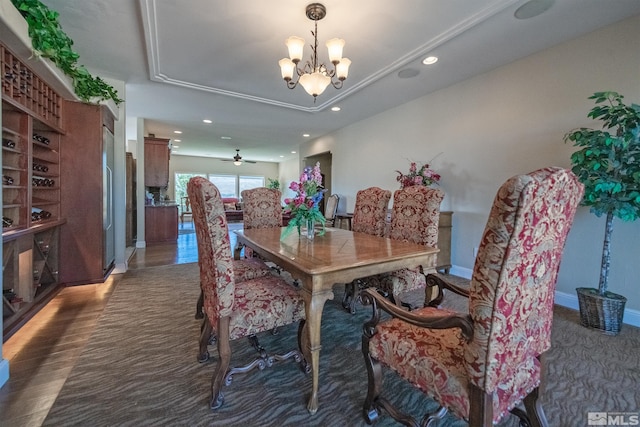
(314,76)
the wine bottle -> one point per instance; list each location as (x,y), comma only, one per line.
(8,143)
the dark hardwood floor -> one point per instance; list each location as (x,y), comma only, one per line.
(42,353)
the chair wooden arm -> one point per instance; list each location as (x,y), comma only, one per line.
(444,321)
(436,280)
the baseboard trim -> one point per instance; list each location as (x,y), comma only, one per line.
(631,317)
(4,372)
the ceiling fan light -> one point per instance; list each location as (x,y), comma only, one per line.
(335,50)
(315,83)
(287,68)
(296,48)
(237,162)
(342,68)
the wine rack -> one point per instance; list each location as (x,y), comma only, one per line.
(23,88)
(29,272)
(31,138)
(15,174)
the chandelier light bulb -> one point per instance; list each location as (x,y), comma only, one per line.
(296,48)
(342,68)
(315,83)
(334,46)
(287,68)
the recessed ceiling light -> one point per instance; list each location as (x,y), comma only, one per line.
(430,60)
(225,137)
(335,108)
(177,131)
(306,135)
(293,152)
(207,121)
(177,140)
(281,156)
(175,146)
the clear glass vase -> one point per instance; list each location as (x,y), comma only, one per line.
(310,232)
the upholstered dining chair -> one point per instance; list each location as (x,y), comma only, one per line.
(262,208)
(330,209)
(234,308)
(483,364)
(414,218)
(369,215)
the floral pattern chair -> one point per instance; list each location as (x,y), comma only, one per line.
(369,217)
(234,308)
(370,211)
(480,365)
(262,208)
(414,218)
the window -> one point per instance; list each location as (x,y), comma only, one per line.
(249,182)
(225,183)
(232,185)
(181,186)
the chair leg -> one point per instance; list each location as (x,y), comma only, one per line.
(350,297)
(480,407)
(370,410)
(535,413)
(205,335)
(224,353)
(200,306)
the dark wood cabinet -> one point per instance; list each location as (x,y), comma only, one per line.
(156,162)
(86,193)
(161,224)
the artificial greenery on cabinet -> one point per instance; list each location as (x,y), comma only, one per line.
(50,41)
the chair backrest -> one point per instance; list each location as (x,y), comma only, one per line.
(370,211)
(214,247)
(262,208)
(331,207)
(514,276)
(415,215)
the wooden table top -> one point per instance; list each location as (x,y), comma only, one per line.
(337,251)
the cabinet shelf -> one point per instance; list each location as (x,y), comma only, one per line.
(11,150)
(12,168)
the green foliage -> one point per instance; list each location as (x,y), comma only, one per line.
(273,184)
(49,40)
(608,161)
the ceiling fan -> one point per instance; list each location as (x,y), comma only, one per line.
(237,159)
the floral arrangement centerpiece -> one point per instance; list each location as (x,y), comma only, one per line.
(304,206)
(422,175)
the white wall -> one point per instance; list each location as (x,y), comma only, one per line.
(493,126)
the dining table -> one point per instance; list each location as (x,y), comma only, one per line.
(335,256)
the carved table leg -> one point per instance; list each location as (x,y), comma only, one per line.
(313,305)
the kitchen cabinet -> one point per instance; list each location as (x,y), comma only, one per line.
(161,224)
(156,162)
(87,240)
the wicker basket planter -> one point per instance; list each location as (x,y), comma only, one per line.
(601,312)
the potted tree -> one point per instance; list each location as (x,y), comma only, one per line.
(608,164)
